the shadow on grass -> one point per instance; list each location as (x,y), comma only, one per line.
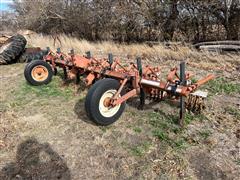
(76,81)
(36,161)
(79,110)
(150,104)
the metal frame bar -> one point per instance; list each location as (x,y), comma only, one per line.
(138,77)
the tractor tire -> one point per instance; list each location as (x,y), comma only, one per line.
(95,99)
(12,49)
(26,70)
(28,57)
(38,72)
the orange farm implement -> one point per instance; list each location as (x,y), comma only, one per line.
(112,83)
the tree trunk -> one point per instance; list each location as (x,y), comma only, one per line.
(170,24)
(204,29)
(233,28)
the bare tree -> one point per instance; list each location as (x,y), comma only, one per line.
(132,20)
(228,14)
(170,24)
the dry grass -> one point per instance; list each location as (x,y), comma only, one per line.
(141,144)
(156,53)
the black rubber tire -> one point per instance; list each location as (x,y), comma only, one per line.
(93,98)
(28,72)
(25,70)
(28,57)
(14,47)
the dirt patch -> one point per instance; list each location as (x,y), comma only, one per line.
(204,168)
(51,128)
(36,161)
(217,151)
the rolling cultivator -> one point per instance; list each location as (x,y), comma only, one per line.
(112,83)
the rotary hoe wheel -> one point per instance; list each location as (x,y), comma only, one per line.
(195,103)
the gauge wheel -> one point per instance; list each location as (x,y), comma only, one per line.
(97,102)
(38,72)
(25,70)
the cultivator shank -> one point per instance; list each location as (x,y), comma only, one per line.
(120,82)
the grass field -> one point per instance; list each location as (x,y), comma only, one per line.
(44,131)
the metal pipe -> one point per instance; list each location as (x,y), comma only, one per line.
(120,89)
(150,83)
(205,79)
(125,97)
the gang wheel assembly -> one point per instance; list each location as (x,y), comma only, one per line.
(38,72)
(97,102)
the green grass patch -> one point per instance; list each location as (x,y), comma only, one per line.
(161,119)
(53,89)
(180,143)
(165,128)
(25,93)
(141,149)
(205,134)
(137,129)
(137,150)
(104,128)
(193,80)
(233,111)
(190,117)
(221,85)
(160,134)
(238,162)
(133,113)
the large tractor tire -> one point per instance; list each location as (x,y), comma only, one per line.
(38,73)
(96,102)
(12,49)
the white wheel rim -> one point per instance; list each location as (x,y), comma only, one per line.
(39,73)
(108,111)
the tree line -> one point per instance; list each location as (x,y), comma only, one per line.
(132,20)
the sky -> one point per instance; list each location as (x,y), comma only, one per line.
(4,5)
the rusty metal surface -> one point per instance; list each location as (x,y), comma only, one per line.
(176,86)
